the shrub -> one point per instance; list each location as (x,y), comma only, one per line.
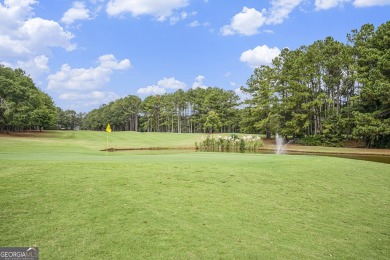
(229,143)
(322,140)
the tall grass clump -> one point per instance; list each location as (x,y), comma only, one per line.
(229,143)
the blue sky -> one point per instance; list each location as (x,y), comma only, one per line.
(89,52)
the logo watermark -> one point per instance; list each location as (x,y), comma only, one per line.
(19,253)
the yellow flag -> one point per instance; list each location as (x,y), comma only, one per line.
(108,128)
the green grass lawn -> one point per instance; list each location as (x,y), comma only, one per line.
(60,193)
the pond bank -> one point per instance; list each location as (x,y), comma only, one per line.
(375,155)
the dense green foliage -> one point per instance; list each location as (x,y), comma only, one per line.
(372,116)
(233,143)
(22,104)
(69,119)
(193,111)
(328,90)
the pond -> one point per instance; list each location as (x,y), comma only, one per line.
(372,158)
(365,157)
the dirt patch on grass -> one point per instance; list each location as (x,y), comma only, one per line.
(112,149)
(351,147)
(25,134)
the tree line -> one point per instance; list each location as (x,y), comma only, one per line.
(323,93)
(192,111)
(326,92)
(22,104)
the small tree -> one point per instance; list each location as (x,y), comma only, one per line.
(213,121)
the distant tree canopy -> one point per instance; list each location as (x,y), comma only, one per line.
(181,112)
(69,119)
(22,104)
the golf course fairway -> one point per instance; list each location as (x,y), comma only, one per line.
(62,194)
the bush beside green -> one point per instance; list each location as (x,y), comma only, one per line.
(322,140)
(229,143)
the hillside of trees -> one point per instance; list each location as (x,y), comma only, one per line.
(194,111)
(321,94)
(22,104)
(326,91)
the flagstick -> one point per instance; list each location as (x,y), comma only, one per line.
(108,130)
(107,145)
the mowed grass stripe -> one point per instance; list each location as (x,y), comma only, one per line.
(86,145)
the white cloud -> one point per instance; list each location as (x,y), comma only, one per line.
(25,40)
(41,62)
(243,96)
(269,31)
(196,23)
(10,48)
(81,79)
(21,34)
(35,66)
(77,12)
(88,99)
(280,9)
(157,8)
(13,13)
(179,17)
(34,37)
(161,87)
(109,62)
(327,4)
(247,22)
(96,1)
(199,82)
(42,34)
(100,95)
(171,83)
(369,3)
(151,90)
(261,55)
(79,85)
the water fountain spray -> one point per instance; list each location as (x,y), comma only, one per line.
(280,144)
